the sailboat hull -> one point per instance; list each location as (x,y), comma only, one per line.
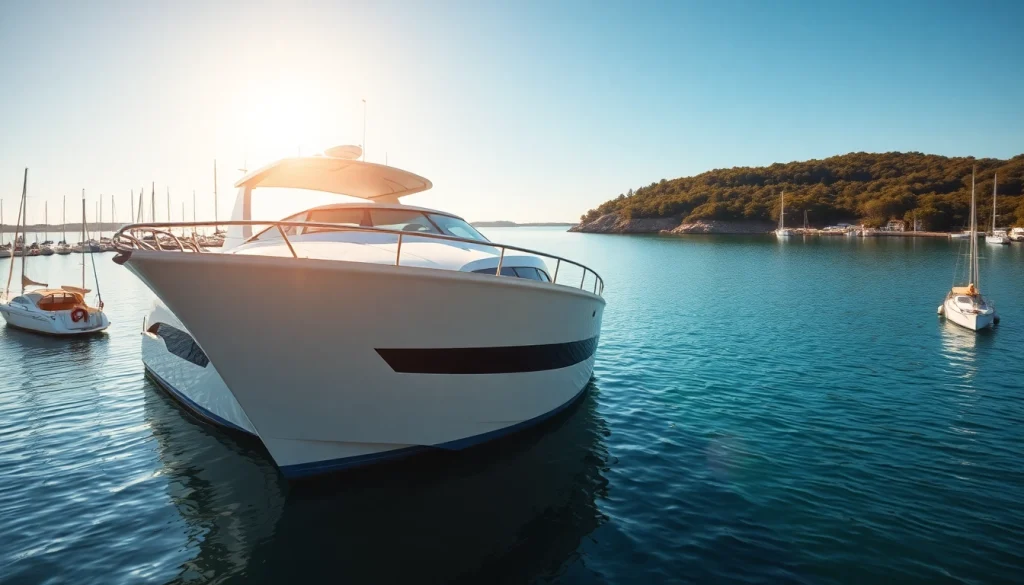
(975,321)
(51,323)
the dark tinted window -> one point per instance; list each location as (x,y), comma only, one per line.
(518,272)
(180,344)
(527,272)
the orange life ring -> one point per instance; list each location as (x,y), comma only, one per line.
(78,314)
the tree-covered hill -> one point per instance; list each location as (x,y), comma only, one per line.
(863,187)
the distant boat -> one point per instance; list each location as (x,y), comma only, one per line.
(960,236)
(62,246)
(5,250)
(782,231)
(997,237)
(964,305)
(1017,234)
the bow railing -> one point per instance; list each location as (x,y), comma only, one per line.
(160,237)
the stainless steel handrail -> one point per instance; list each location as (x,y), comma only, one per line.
(129,238)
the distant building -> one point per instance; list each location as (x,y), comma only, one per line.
(896,225)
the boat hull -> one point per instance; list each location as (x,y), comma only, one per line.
(185,375)
(52,323)
(339,364)
(972,321)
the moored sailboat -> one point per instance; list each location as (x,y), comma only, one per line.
(996,236)
(59,311)
(965,305)
(5,250)
(783,231)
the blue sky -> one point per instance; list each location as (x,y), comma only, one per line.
(524,111)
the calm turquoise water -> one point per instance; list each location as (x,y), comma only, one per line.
(762,412)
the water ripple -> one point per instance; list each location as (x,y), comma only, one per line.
(761,413)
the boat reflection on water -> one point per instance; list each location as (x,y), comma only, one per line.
(509,511)
(225,487)
(959,347)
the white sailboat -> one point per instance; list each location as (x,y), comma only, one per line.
(5,251)
(60,311)
(62,246)
(46,248)
(964,305)
(997,237)
(783,231)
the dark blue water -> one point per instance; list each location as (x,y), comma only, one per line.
(762,412)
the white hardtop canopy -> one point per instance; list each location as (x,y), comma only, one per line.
(337,172)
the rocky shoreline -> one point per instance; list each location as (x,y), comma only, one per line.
(612,223)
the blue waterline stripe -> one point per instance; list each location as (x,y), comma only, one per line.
(302,470)
(489,360)
(192,406)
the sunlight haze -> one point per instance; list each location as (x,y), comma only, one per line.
(524,111)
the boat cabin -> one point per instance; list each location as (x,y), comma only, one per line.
(52,299)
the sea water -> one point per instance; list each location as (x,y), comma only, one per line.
(762,411)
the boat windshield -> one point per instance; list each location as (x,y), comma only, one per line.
(403,220)
(454,226)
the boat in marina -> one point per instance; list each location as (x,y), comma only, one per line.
(960,236)
(1016,234)
(964,305)
(353,333)
(46,248)
(62,246)
(782,231)
(54,311)
(5,249)
(996,236)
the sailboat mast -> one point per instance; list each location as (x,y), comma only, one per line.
(46,221)
(168,204)
(83,239)
(995,180)
(131,199)
(64,220)
(974,239)
(24,219)
(782,212)
(215,218)
(152,201)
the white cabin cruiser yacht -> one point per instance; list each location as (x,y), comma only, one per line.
(353,333)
